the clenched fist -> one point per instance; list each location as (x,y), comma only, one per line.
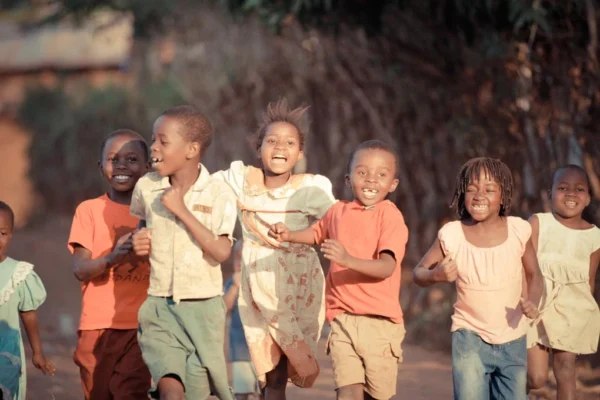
(141,242)
(446,270)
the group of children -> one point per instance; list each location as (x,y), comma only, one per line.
(148,254)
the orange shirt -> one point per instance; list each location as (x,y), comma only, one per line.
(365,233)
(111,300)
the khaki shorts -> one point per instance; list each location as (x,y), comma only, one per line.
(366,350)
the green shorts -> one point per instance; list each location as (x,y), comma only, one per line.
(185,340)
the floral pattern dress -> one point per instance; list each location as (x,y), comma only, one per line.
(282,292)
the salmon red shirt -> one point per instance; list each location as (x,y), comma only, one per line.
(111,300)
(365,232)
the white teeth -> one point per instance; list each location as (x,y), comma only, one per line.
(156,160)
(571,204)
(480,207)
(121,178)
(370,193)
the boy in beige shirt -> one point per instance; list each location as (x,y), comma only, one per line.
(189,219)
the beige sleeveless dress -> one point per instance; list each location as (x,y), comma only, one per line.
(570,318)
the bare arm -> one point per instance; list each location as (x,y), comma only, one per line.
(594,261)
(30,322)
(535,283)
(305,236)
(218,247)
(85,268)
(424,273)
(378,269)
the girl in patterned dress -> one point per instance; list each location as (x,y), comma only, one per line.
(568,250)
(282,290)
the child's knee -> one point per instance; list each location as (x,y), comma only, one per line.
(536,380)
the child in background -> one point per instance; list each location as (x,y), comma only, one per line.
(114,282)
(190,219)
(21,293)
(365,241)
(568,250)
(486,253)
(281,300)
(245,384)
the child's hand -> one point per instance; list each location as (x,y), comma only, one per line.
(334,251)
(173,200)
(446,270)
(529,309)
(40,362)
(122,249)
(280,232)
(141,242)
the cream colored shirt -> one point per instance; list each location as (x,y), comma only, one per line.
(178,266)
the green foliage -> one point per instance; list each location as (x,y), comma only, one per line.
(67,134)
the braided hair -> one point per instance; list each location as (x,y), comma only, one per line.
(471,171)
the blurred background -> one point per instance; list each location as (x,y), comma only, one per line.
(442,80)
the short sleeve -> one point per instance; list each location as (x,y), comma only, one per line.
(449,237)
(234,176)
(319,196)
(224,213)
(321,227)
(31,293)
(137,207)
(82,228)
(393,234)
(522,230)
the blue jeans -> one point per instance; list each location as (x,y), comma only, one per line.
(483,371)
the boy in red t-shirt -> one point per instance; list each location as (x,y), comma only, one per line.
(114,282)
(365,241)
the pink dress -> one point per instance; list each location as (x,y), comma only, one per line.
(490,282)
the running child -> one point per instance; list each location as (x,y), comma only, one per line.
(189,219)
(281,300)
(568,250)
(365,241)
(487,253)
(21,293)
(114,282)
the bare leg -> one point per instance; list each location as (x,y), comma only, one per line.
(170,388)
(277,381)
(564,370)
(351,392)
(537,367)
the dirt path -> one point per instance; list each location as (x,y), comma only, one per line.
(423,374)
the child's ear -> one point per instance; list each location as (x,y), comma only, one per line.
(394,185)
(101,169)
(193,150)
(347,179)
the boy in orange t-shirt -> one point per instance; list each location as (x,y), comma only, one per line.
(365,241)
(114,282)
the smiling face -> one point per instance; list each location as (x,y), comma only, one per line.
(570,193)
(170,150)
(280,148)
(483,197)
(372,175)
(6,228)
(123,162)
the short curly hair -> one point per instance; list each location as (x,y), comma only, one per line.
(196,127)
(6,208)
(470,171)
(281,112)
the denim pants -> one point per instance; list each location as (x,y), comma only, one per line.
(483,371)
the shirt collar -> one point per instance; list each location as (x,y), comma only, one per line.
(356,205)
(200,183)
